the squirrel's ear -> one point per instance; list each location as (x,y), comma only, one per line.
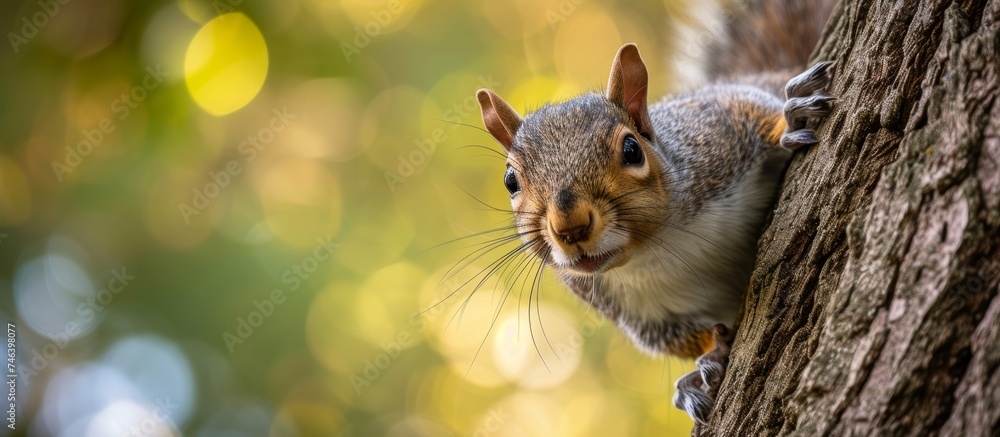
(627,87)
(500,119)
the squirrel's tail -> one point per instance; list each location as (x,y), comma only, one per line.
(743,38)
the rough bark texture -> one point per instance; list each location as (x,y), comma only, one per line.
(873,308)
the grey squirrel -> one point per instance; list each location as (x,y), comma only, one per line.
(651,213)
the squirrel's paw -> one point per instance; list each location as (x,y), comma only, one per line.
(695,392)
(806,100)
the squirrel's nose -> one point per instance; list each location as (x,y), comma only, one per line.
(571,220)
(574,231)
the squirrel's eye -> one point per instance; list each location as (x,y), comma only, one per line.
(510,181)
(631,151)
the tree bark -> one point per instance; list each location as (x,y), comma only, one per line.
(873,306)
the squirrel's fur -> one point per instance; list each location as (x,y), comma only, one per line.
(664,245)
(755,42)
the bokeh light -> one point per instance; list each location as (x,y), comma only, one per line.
(538,353)
(234,218)
(226,63)
(56,296)
(15,194)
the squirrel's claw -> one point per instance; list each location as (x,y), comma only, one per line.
(695,392)
(799,110)
(690,397)
(806,101)
(800,138)
(811,81)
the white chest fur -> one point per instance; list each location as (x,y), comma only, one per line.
(698,269)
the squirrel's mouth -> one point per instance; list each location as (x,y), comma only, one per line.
(591,264)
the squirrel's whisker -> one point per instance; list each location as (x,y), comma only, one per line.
(473,235)
(488,247)
(494,152)
(627,218)
(536,283)
(461,124)
(493,267)
(666,246)
(491,246)
(507,293)
(493,208)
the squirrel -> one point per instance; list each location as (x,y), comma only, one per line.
(651,213)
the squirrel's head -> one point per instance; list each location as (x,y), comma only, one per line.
(585,182)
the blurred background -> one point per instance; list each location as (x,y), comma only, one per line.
(235,218)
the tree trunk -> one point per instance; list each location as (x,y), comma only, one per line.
(873,306)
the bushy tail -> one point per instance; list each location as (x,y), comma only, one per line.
(720,40)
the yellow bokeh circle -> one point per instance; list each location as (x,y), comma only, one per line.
(537,353)
(226,64)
